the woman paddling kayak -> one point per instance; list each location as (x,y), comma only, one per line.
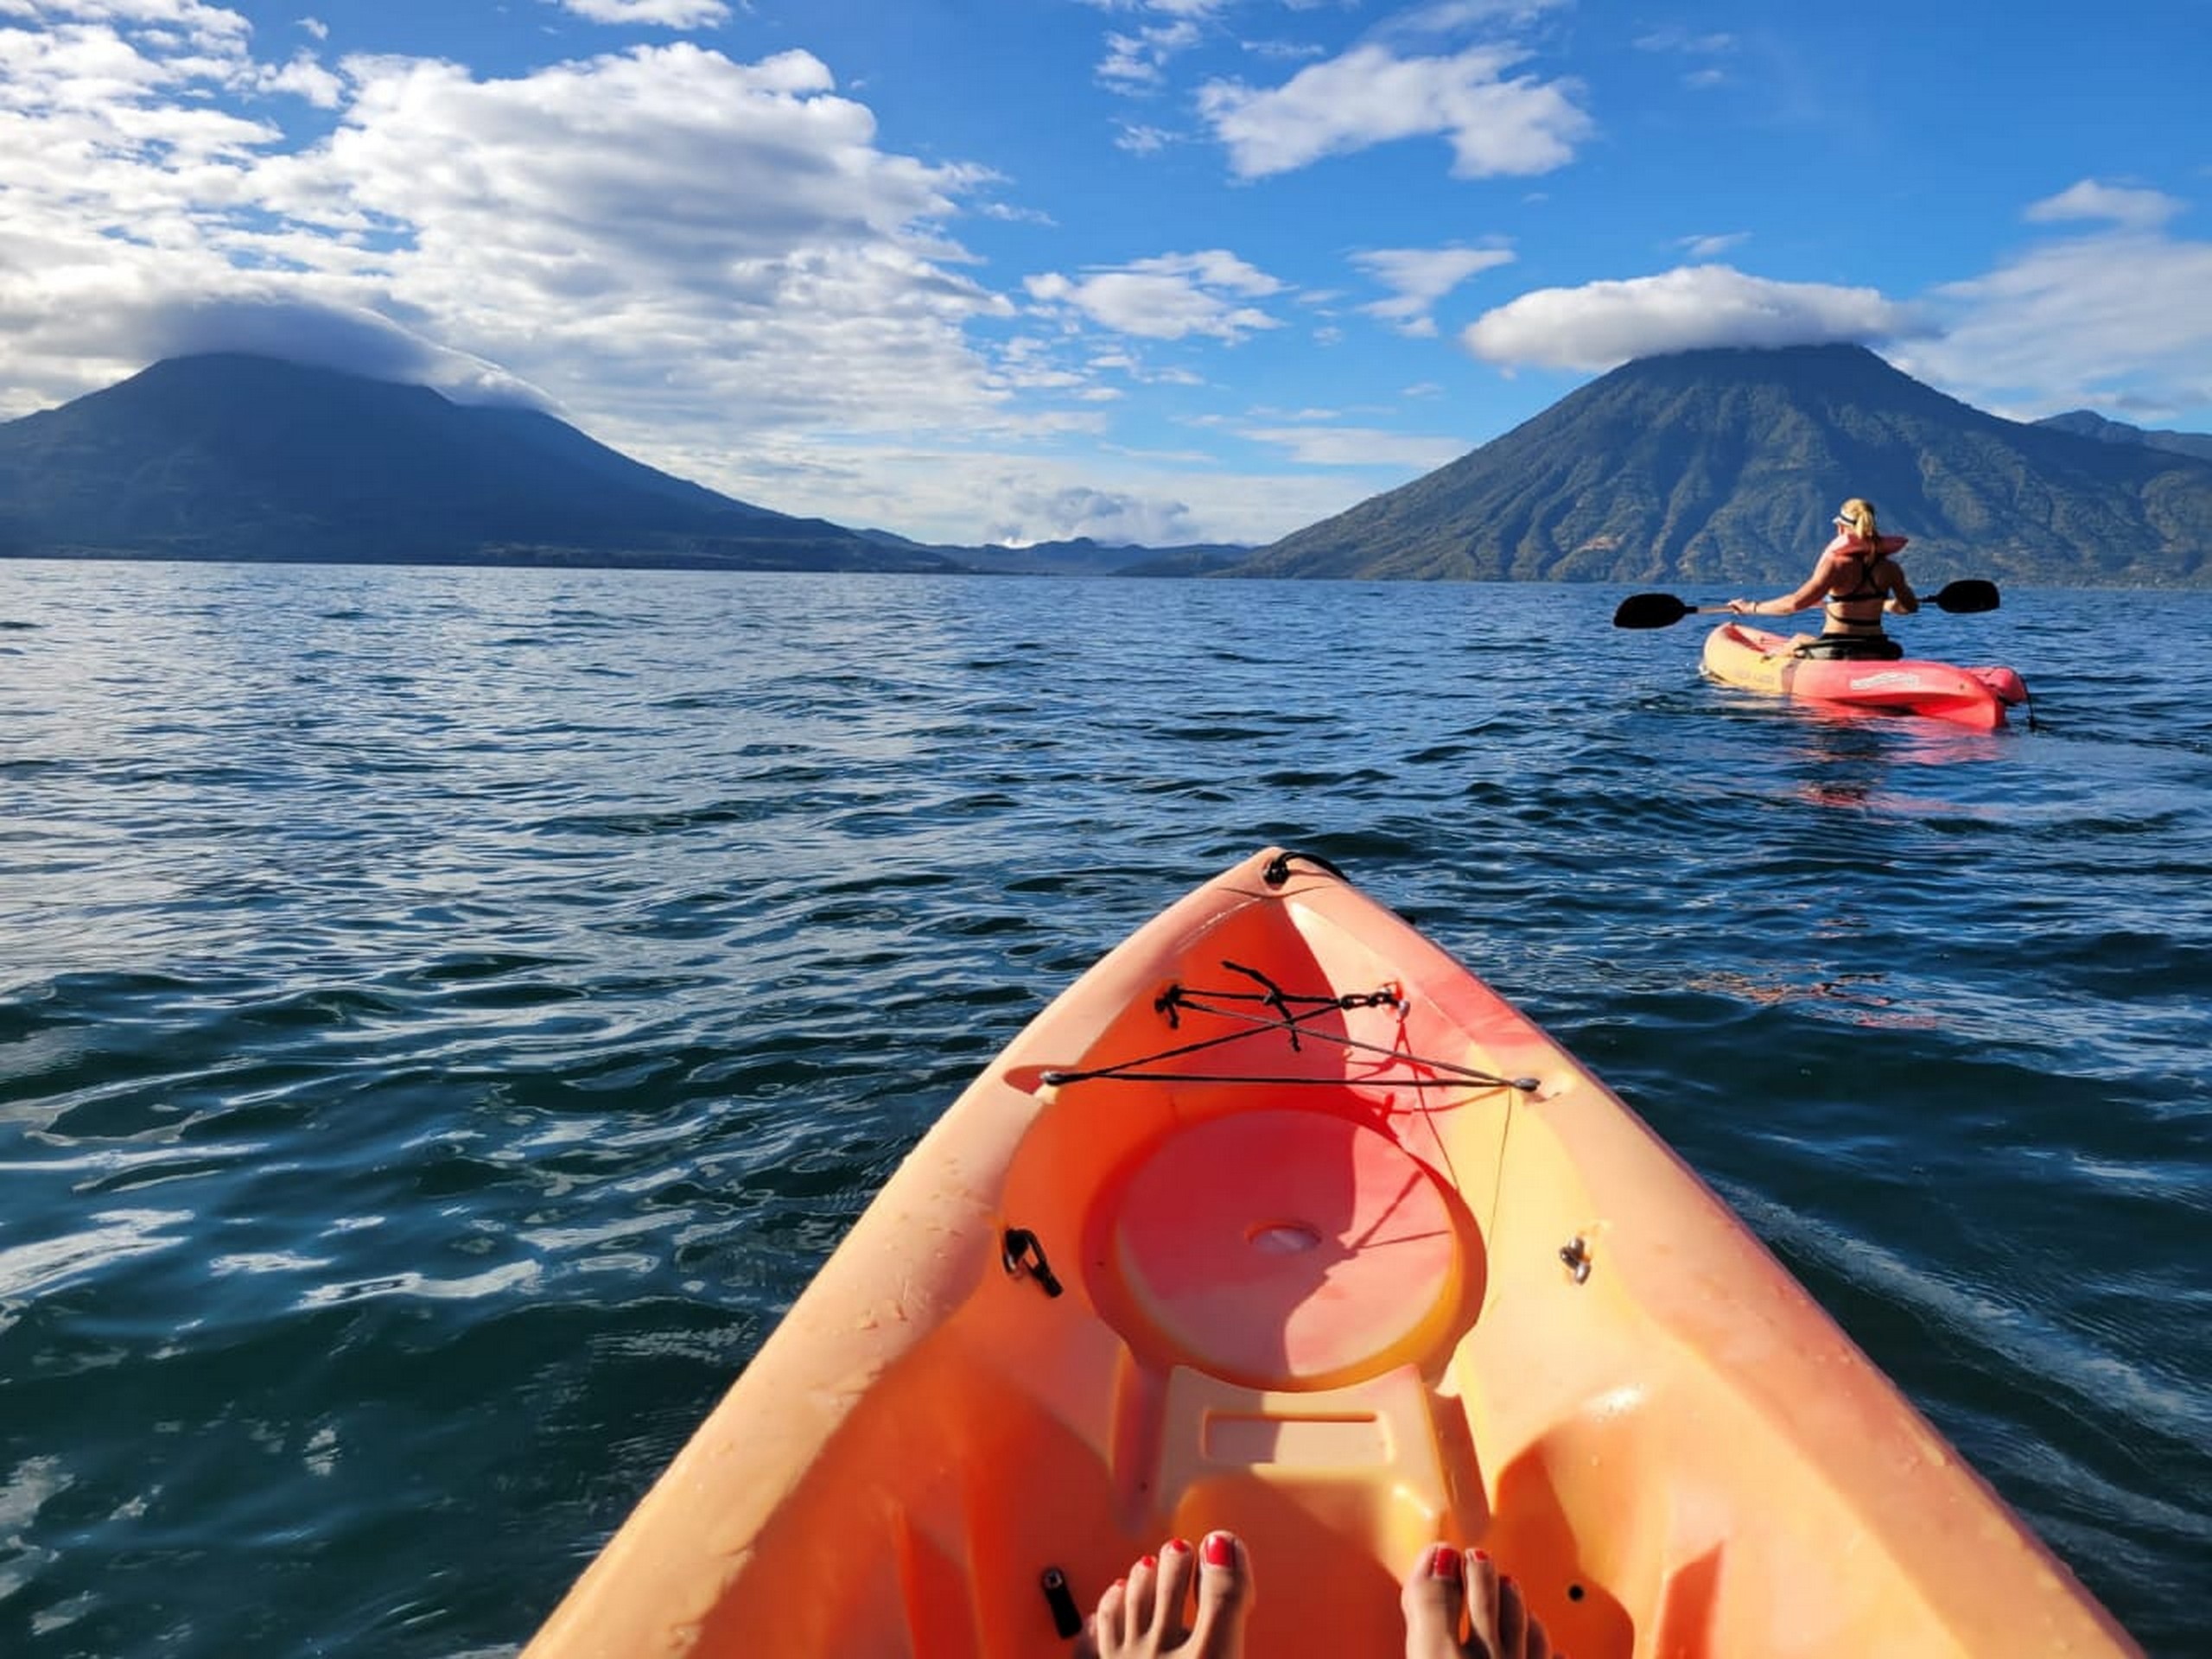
(1858,579)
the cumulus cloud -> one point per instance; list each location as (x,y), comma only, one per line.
(203,27)
(304,77)
(1112,517)
(657,237)
(1602,325)
(1496,124)
(1421,277)
(1171,297)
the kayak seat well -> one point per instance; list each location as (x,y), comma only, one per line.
(1287,1249)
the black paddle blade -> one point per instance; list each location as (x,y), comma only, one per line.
(1651,611)
(1965,597)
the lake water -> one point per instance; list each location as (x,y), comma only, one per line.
(447,1015)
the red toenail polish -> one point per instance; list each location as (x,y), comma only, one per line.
(1445,1563)
(1482,1554)
(1219,1551)
(1177,1546)
(1148,1562)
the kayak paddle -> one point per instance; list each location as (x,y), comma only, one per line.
(1965,597)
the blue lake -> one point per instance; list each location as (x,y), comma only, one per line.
(447,1015)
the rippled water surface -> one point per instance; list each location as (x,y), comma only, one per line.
(446,1016)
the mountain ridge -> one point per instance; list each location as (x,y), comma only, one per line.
(228,455)
(1719,467)
(1725,465)
(2086,424)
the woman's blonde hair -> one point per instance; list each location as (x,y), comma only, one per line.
(1857,516)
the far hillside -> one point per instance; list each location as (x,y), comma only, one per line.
(1726,467)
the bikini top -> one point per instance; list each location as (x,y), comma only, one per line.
(1864,557)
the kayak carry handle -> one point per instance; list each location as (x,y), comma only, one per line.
(1278,868)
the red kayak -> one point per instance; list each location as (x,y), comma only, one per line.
(1755,660)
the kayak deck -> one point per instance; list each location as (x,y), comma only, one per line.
(1753,659)
(1280,1221)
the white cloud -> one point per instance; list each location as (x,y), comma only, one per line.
(305,78)
(656,238)
(1707,53)
(1113,517)
(1711,247)
(1602,325)
(667,14)
(1421,277)
(673,160)
(1140,140)
(1369,96)
(1137,63)
(1170,297)
(2118,205)
(204,28)
(1450,16)
(2115,320)
(331,336)
(1197,9)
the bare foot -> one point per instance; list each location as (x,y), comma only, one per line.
(1143,1617)
(1448,1591)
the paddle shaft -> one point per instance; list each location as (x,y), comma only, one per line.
(1966,596)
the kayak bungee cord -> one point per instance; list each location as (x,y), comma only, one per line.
(1292,1012)
(1177,998)
(1172,1001)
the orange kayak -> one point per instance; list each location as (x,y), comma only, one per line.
(1754,660)
(1280,1221)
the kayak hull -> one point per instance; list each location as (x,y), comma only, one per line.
(1753,659)
(1280,1220)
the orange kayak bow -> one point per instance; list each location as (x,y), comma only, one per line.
(1278,1220)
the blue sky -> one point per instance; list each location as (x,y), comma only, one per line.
(1151,270)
